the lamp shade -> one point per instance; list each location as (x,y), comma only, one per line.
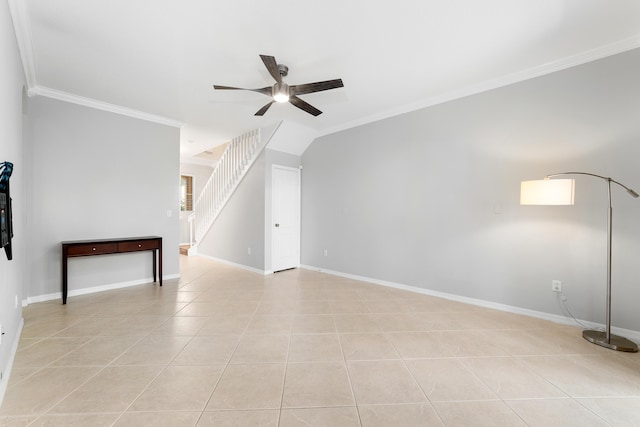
(547,192)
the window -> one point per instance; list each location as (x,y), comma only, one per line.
(186,193)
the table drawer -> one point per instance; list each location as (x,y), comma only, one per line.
(140,245)
(98,248)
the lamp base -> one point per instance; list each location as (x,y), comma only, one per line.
(615,342)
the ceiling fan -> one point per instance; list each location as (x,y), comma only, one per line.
(282,92)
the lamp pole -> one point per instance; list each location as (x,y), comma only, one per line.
(607,339)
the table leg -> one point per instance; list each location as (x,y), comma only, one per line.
(64,276)
(160,261)
(154,265)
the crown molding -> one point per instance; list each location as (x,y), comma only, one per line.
(100,105)
(601,52)
(22,29)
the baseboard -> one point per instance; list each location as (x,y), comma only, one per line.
(94,289)
(6,376)
(563,320)
(234,264)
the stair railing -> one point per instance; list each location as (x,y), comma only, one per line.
(233,165)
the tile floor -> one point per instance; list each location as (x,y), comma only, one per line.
(226,347)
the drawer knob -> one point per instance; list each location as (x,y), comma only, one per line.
(93,249)
(139,246)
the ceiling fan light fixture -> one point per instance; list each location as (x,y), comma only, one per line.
(281,92)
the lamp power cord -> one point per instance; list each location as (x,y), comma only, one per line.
(564,306)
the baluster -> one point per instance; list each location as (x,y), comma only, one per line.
(243,163)
(218,187)
(231,168)
(230,165)
(240,159)
(215,191)
(223,168)
(235,160)
(234,150)
(226,172)
(205,213)
(244,152)
(239,156)
(221,183)
(218,175)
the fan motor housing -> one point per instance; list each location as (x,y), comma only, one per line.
(283,70)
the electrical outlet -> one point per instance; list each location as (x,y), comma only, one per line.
(1,334)
(556,286)
(248,251)
(326,252)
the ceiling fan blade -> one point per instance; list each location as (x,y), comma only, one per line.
(264,109)
(218,87)
(263,90)
(304,106)
(272,67)
(315,87)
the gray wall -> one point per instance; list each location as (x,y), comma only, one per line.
(240,225)
(96,175)
(430,199)
(12,273)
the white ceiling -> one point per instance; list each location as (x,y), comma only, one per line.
(158,59)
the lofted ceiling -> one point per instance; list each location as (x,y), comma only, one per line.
(158,59)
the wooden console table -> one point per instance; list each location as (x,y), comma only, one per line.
(77,248)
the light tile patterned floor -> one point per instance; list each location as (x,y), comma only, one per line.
(226,347)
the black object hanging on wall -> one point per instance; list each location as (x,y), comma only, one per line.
(6,223)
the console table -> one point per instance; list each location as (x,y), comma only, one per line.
(78,248)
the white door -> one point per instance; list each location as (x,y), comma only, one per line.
(285,236)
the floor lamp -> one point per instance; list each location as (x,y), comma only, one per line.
(560,192)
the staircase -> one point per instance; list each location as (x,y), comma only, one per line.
(236,160)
